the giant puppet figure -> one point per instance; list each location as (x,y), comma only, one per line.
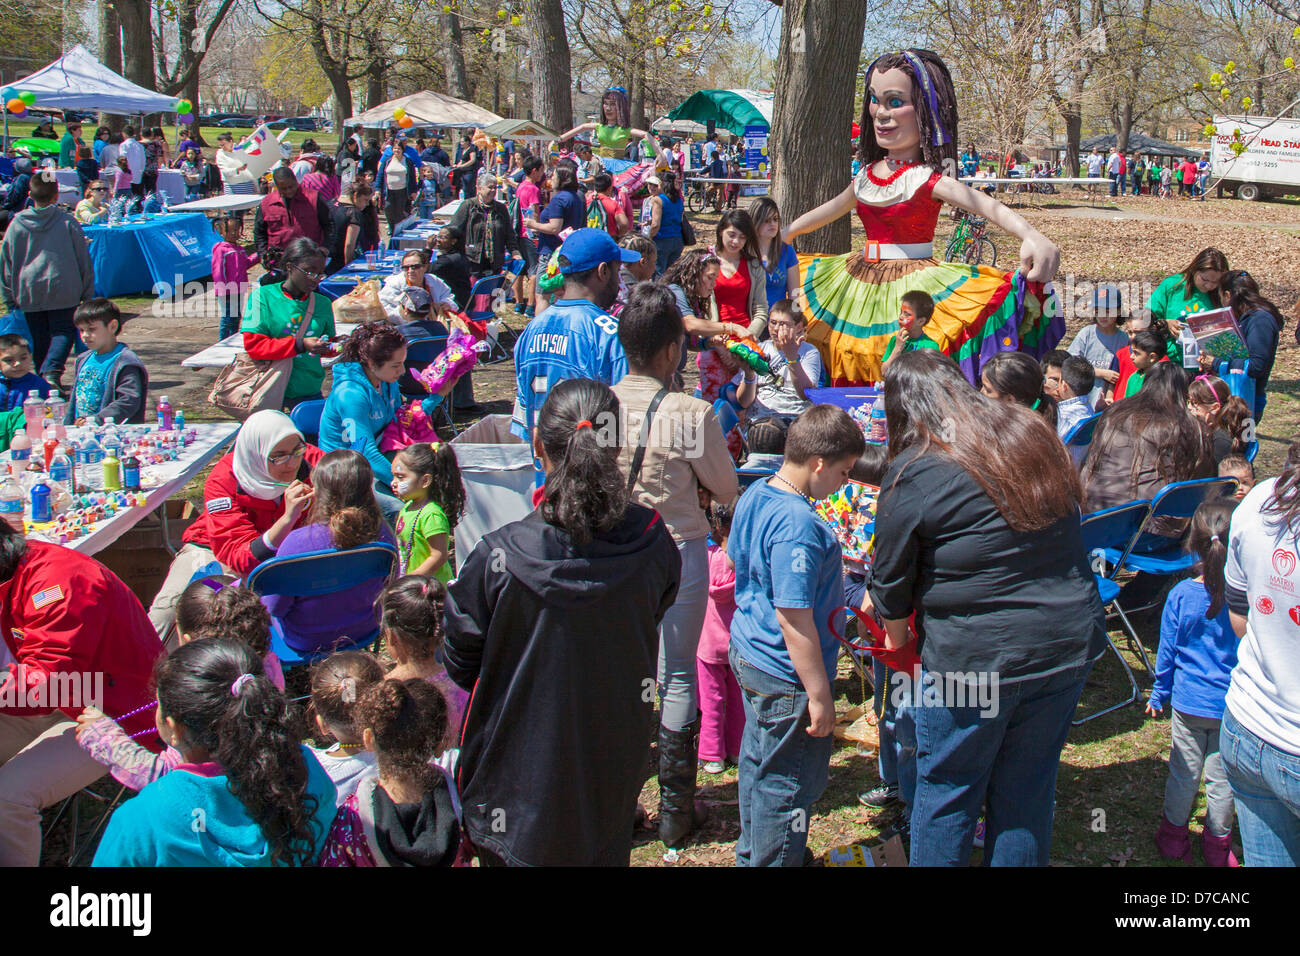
(909,160)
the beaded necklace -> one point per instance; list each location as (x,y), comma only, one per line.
(888,180)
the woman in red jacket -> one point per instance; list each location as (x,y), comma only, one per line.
(253,498)
(74,636)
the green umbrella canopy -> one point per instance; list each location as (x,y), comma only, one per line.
(37,147)
(731,110)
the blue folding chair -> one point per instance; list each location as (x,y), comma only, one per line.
(306,417)
(727,416)
(318,573)
(1080,436)
(1242,385)
(1115,530)
(1160,554)
(479,306)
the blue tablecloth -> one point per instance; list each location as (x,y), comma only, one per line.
(415,235)
(845,398)
(154,255)
(346,279)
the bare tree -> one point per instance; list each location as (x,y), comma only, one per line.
(811,115)
(549,55)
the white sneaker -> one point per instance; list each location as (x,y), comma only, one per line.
(714,766)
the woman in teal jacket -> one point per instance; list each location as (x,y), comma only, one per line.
(364,398)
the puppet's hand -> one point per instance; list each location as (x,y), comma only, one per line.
(1039,259)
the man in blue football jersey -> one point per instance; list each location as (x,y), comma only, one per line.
(575,337)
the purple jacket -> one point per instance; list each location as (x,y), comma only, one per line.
(313,623)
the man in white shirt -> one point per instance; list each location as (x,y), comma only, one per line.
(133,150)
(1095,162)
(1112,170)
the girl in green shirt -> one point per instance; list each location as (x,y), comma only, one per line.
(427,478)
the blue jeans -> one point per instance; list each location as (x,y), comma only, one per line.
(667,248)
(783,770)
(679,638)
(230,308)
(1006,759)
(897,754)
(53,336)
(1266,788)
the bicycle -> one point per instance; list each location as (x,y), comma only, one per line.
(697,196)
(970,245)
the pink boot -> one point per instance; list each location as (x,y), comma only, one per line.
(1218,850)
(1173,841)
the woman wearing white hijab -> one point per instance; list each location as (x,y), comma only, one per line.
(253,498)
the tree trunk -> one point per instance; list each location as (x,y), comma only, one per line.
(110,37)
(137,41)
(821,41)
(454,57)
(1073,136)
(342,90)
(1125,126)
(549,51)
(636,89)
(375,85)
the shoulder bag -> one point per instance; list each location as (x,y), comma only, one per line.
(249,385)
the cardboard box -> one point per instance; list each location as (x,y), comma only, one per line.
(889,854)
(139,558)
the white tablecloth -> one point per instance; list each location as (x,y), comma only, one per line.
(171,183)
(231,203)
(174,475)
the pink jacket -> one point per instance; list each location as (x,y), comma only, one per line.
(715,636)
(230,268)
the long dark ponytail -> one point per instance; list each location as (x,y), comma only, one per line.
(586,491)
(446,487)
(217,690)
(1208,540)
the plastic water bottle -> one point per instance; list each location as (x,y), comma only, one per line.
(20,449)
(179,421)
(109,434)
(165,419)
(879,430)
(1191,348)
(61,468)
(34,414)
(12,501)
(90,463)
(41,511)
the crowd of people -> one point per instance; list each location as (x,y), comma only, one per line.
(506,713)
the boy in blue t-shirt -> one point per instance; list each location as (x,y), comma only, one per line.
(111,380)
(18,377)
(789,584)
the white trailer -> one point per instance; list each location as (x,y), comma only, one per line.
(1270,165)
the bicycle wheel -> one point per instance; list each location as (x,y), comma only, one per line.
(695,200)
(981,251)
(955,247)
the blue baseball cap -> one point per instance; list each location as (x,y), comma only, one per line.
(587,248)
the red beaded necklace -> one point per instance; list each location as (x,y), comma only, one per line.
(888,180)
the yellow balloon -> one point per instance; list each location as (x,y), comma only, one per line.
(399,113)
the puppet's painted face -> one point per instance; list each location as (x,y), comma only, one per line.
(896,125)
(610,105)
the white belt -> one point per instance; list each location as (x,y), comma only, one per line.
(875,251)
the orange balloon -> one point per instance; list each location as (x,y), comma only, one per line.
(16,105)
(406,122)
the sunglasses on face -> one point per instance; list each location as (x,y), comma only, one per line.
(297,452)
(313,276)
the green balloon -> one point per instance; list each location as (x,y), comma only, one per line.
(28,98)
(184,106)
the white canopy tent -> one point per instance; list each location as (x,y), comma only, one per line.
(77,81)
(425,108)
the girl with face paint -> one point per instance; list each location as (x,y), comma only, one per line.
(427,479)
(908,152)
